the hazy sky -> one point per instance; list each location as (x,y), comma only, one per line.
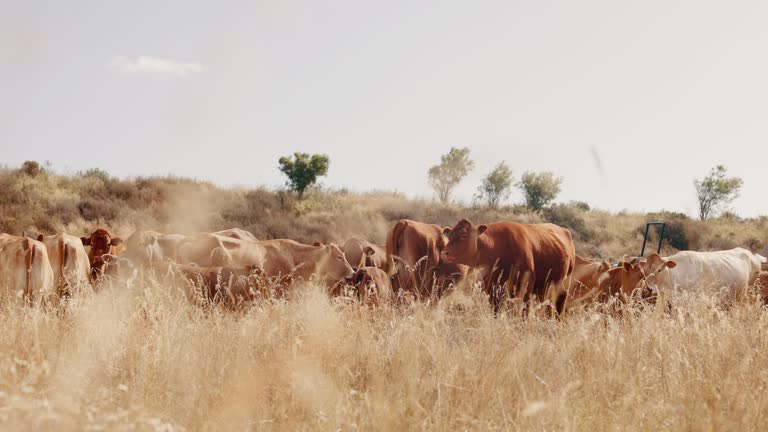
(657,91)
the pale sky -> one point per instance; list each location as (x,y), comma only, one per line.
(661,91)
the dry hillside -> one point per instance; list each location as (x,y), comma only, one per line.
(49,203)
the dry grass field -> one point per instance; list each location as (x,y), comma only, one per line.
(140,357)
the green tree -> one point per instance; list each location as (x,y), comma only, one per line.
(303,170)
(454,166)
(716,191)
(539,189)
(496,186)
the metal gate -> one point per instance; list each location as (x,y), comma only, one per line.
(661,236)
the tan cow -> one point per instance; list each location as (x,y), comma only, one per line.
(101,242)
(117,268)
(524,259)
(69,262)
(232,287)
(149,248)
(627,281)
(585,276)
(275,258)
(25,272)
(419,245)
(362,253)
(236,233)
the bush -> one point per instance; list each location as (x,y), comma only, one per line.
(571,218)
(581,205)
(96,211)
(31,168)
(96,173)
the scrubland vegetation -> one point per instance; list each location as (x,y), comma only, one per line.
(140,357)
(49,203)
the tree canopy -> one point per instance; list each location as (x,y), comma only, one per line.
(303,170)
(453,167)
(716,191)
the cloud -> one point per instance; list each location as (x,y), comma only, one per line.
(155,66)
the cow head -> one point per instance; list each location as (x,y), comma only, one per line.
(116,267)
(101,242)
(646,276)
(369,252)
(462,243)
(632,278)
(332,265)
(657,269)
(141,248)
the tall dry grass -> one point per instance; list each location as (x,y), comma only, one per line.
(142,358)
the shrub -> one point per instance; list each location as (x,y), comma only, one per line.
(96,173)
(31,168)
(569,217)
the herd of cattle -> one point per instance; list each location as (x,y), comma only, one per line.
(511,260)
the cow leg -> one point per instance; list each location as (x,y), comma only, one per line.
(561,301)
(525,285)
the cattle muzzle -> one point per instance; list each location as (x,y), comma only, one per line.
(446,257)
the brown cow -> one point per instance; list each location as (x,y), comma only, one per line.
(101,242)
(362,253)
(25,272)
(419,245)
(273,257)
(525,258)
(69,262)
(373,286)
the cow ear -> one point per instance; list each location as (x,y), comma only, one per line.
(369,250)
(604,267)
(317,244)
(670,264)
(481,229)
(447,230)
(40,237)
(86,241)
(116,241)
(628,266)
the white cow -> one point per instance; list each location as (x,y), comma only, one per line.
(25,272)
(69,262)
(725,274)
